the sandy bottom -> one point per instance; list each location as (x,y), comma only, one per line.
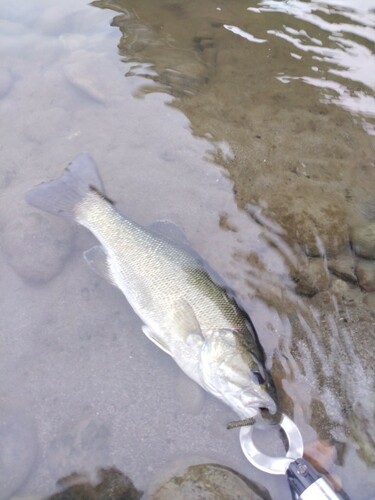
(267,180)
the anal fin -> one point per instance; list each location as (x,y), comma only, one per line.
(97,260)
(150,334)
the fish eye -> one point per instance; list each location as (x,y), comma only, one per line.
(259,378)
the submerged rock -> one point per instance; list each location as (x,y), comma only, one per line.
(208,482)
(184,78)
(315,221)
(36,246)
(113,485)
(340,288)
(83,73)
(365,272)
(363,240)
(343,267)
(322,455)
(180,72)
(369,300)
(311,278)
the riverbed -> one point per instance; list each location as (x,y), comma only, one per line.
(252,127)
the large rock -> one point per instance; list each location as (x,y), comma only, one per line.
(37,246)
(362,238)
(112,485)
(311,278)
(365,271)
(208,482)
(344,268)
(315,221)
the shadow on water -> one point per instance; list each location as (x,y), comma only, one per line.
(275,189)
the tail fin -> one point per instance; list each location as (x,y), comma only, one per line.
(60,196)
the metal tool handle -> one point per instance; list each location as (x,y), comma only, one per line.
(304,481)
(306,484)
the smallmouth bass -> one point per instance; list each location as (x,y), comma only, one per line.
(186,310)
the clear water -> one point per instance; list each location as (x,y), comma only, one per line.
(250,125)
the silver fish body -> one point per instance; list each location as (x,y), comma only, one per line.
(184,309)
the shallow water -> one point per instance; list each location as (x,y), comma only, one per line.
(251,126)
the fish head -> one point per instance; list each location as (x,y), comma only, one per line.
(259,394)
(235,374)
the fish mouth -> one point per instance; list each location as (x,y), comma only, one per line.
(270,413)
(249,414)
(267,408)
(263,403)
(270,407)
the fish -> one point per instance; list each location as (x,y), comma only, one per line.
(185,307)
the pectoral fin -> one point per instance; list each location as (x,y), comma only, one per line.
(184,328)
(186,321)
